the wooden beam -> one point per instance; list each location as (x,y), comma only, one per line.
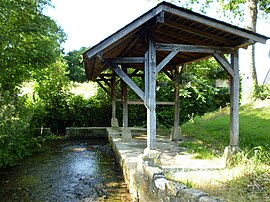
(133,74)
(169,74)
(106,81)
(146,78)
(127,60)
(166,60)
(139,36)
(113,94)
(128,80)
(161,17)
(221,59)
(193,48)
(151,109)
(103,87)
(234,99)
(125,103)
(140,102)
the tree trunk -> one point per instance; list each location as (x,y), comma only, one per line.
(250,82)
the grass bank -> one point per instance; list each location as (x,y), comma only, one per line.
(249,177)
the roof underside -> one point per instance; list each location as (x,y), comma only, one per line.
(171,25)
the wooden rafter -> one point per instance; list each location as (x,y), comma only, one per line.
(193,48)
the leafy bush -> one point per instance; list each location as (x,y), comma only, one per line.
(17,134)
(263,91)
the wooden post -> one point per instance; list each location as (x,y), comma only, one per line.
(125,101)
(151,100)
(176,132)
(114,121)
(234,99)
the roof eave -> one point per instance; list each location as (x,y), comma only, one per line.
(124,31)
(215,23)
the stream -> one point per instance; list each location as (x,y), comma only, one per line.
(70,170)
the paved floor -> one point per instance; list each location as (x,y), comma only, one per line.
(173,156)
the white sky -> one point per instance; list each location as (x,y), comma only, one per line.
(87,22)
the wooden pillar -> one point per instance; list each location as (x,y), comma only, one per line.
(176,132)
(114,121)
(234,101)
(125,101)
(150,92)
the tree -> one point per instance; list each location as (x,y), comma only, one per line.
(248,10)
(75,65)
(29,40)
(52,88)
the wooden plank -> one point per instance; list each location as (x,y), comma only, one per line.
(234,99)
(127,60)
(193,48)
(214,23)
(221,59)
(128,80)
(165,35)
(199,32)
(166,60)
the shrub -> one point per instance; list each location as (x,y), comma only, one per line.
(17,134)
(263,91)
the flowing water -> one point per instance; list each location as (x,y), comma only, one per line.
(73,170)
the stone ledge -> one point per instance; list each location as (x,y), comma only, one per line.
(86,132)
(146,183)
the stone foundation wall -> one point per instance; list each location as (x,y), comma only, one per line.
(147,183)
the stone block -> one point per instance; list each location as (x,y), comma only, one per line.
(176,134)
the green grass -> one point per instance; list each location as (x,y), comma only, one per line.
(248,179)
(210,134)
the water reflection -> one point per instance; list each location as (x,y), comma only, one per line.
(81,170)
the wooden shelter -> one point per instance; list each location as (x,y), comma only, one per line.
(164,39)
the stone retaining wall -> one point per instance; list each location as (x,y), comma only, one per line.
(147,183)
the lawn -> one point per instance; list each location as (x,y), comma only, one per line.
(248,178)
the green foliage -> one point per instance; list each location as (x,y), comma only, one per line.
(17,137)
(198,94)
(53,95)
(75,66)
(93,112)
(263,91)
(29,43)
(231,8)
(29,40)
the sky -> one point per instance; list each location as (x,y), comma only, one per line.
(87,22)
